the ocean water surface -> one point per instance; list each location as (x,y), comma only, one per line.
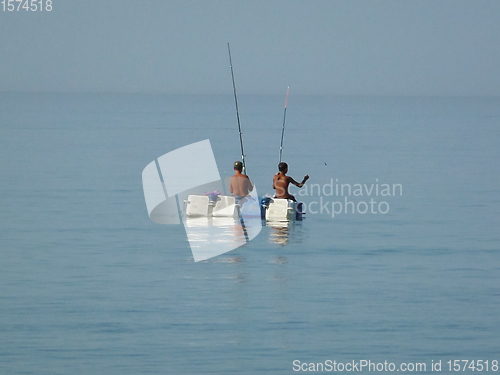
(90,285)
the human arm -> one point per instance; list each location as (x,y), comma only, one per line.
(300,184)
(250,184)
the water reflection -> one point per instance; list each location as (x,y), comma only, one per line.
(280,231)
(212,236)
(279,260)
(230,259)
(285,232)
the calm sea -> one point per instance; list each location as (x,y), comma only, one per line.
(90,285)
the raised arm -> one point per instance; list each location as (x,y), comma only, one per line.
(306,177)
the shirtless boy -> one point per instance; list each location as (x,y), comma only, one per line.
(281,182)
(240,184)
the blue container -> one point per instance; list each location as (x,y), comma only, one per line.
(264,204)
(299,211)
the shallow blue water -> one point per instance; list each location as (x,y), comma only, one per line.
(90,285)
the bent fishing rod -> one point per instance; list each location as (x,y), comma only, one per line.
(284,119)
(237,111)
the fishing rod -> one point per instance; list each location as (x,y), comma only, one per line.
(237,111)
(284,119)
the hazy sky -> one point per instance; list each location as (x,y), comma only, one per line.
(346,47)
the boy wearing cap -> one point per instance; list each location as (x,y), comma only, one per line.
(240,184)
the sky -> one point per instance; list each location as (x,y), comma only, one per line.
(343,47)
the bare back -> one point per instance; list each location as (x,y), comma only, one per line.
(281,183)
(240,185)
